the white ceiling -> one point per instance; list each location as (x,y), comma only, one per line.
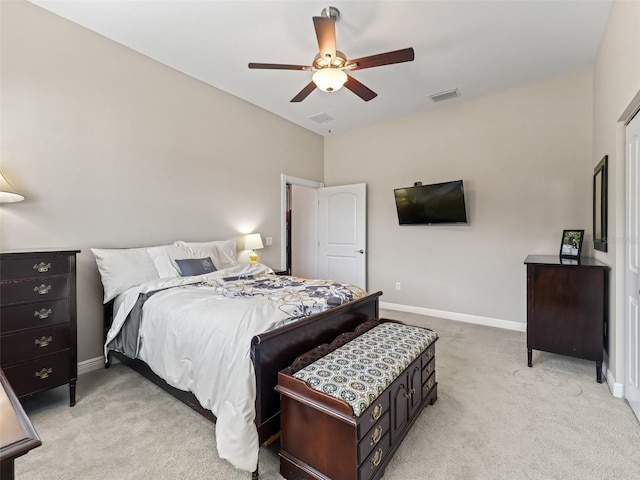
(477,46)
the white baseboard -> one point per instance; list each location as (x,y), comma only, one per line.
(90,365)
(616,389)
(459,317)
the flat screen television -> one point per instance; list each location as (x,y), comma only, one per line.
(431,204)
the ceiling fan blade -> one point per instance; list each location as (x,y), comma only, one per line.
(388,58)
(304,93)
(326,34)
(279,66)
(364,92)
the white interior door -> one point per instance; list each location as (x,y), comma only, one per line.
(342,233)
(632,268)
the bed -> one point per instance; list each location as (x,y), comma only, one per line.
(267,320)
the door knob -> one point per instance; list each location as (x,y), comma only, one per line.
(360,251)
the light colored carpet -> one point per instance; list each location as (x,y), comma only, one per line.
(495,418)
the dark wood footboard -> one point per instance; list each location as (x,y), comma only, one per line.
(271,352)
(277,349)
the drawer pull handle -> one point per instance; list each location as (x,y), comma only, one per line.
(42,267)
(377,435)
(377,458)
(42,313)
(42,289)
(410,393)
(377,412)
(44,373)
(43,342)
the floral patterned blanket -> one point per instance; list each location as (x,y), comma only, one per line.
(295,296)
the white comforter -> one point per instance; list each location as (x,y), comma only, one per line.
(184,346)
(198,338)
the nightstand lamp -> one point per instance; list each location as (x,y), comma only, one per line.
(7,193)
(253,242)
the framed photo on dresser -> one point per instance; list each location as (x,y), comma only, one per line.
(571,244)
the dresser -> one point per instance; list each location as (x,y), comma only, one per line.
(38,347)
(567,307)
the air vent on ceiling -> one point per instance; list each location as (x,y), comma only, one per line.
(321,118)
(446,95)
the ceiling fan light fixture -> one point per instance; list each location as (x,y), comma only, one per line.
(329,79)
(329,64)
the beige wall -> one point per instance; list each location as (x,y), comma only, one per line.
(525,158)
(616,83)
(113,149)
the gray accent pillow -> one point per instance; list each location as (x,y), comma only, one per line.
(195,266)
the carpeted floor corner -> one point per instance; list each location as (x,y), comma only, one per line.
(495,418)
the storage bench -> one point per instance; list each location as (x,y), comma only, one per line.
(346,407)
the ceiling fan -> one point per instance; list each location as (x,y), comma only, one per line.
(330,66)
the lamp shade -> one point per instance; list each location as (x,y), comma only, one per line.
(7,193)
(253,241)
(329,79)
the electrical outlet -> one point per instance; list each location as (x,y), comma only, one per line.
(269,241)
(398,286)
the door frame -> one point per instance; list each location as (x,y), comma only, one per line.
(284,181)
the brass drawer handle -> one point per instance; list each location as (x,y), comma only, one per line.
(42,289)
(42,313)
(377,412)
(42,267)
(44,341)
(377,458)
(377,435)
(429,369)
(410,393)
(430,384)
(44,373)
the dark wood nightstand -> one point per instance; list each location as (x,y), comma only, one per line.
(38,346)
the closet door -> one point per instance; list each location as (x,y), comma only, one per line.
(632,268)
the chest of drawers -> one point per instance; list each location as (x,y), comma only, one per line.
(567,308)
(38,347)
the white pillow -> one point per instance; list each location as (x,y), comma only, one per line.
(222,252)
(164,258)
(123,268)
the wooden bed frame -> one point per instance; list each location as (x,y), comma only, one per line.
(270,352)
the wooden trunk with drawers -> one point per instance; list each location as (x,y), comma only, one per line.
(38,321)
(322,439)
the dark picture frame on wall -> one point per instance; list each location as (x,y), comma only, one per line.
(571,245)
(600,205)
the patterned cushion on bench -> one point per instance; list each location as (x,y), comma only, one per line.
(359,371)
